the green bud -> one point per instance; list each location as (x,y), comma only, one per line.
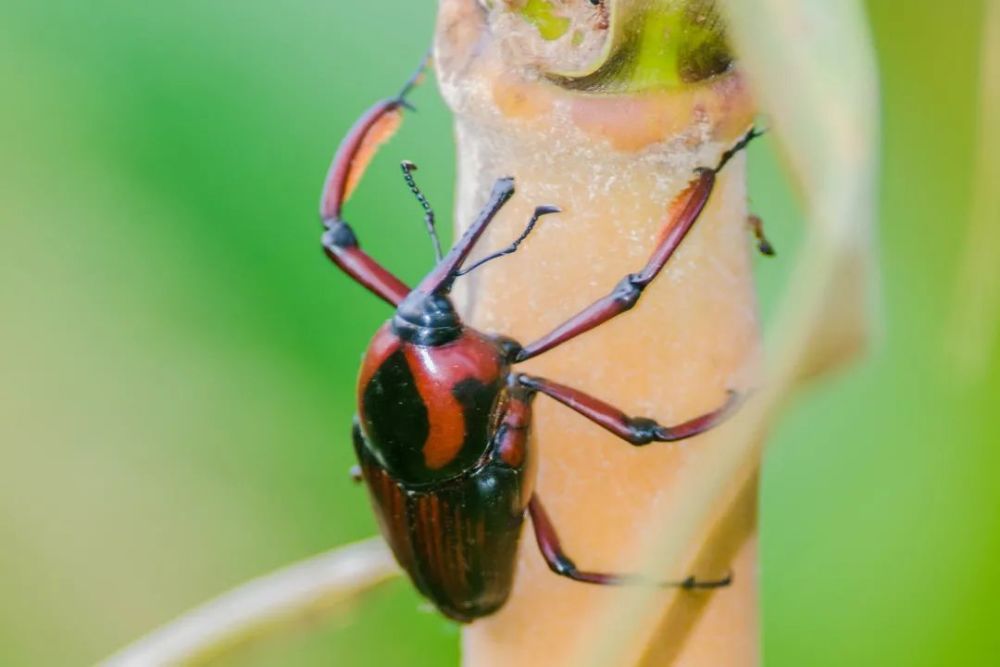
(648,45)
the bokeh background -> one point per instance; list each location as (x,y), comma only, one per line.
(177,358)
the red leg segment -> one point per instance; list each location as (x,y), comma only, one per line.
(558,562)
(341,246)
(635,430)
(374,128)
(684,212)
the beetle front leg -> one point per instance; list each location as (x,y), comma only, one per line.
(561,564)
(374,128)
(341,246)
(634,430)
(683,213)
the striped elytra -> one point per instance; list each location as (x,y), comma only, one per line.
(441,437)
(457,540)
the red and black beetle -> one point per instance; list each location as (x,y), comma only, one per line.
(441,433)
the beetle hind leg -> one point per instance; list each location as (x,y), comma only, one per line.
(561,564)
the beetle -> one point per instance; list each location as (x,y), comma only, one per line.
(441,431)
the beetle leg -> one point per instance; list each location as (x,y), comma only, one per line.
(374,128)
(561,564)
(341,246)
(684,211)
(634,430)
(757,228)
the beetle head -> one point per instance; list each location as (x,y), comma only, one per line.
(427,319)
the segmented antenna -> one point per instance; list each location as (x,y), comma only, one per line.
(539,212)
(408,169)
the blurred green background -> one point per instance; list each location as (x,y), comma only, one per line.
(177,358)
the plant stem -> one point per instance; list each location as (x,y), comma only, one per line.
(613,164)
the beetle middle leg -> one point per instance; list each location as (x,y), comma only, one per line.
(634,430)
(561,564)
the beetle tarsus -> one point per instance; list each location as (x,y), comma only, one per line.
(702,584)
(757,228)
(729,154)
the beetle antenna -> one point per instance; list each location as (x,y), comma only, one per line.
(439,280)
(408,169)
(539,212)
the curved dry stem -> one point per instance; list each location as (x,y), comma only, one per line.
(264,606)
